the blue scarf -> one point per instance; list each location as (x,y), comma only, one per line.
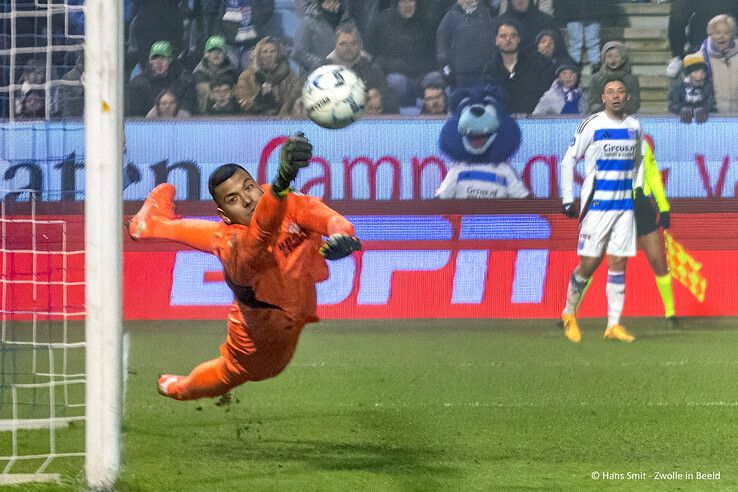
(571,101)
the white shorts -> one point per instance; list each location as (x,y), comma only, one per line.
(611,232)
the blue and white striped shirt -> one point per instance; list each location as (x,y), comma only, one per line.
(611,150)
(482,181)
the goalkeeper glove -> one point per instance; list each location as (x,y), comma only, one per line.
(569,210)
(665,220)
(296,152)
(339,246)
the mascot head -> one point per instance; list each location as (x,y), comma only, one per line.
(479,130)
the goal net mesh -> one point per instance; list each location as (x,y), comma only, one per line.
(42,338)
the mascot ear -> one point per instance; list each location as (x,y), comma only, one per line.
(457,96)
(496,92)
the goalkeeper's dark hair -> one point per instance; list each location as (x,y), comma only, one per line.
(222,174)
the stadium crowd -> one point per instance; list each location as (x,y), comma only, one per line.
(245,57)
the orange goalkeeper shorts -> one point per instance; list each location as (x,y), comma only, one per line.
(260,342)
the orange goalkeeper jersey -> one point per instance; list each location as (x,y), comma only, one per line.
(275,261)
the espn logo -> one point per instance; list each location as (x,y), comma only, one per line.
(430,245)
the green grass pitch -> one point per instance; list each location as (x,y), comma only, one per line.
(443,405)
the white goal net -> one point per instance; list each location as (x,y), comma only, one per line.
(40,46)
(60,292)
(42,344)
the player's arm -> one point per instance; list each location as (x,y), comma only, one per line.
(269,213)
(312,214)
(247,246)
(582,139)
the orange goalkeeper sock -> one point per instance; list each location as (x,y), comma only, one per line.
(208,380)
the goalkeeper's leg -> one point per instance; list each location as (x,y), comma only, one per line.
(208,380)
(156,219)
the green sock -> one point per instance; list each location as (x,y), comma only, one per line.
(667,295)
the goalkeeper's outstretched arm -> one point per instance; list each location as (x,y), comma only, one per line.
(314,215)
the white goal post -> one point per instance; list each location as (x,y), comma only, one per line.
(104,143)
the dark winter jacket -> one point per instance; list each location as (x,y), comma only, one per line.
(156,20)
(531,22)
(530,79)
(560,55)
(464,43)
(72,97)
(683,93)
(402,45)
(204,73)
(144,88)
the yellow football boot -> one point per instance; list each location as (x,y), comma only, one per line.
(619,333)
(571,328)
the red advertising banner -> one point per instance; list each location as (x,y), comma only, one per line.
(412,266)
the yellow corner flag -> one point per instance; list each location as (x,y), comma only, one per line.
(685,268)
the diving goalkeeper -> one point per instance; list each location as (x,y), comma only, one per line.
(270,242)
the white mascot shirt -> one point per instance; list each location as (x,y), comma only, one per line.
(482,181)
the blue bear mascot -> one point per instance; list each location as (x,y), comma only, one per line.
(480,137)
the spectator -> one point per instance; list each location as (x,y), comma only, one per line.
(719,52)
(214,65)
(221,101)
(435,101)
(546,6)
(565,96)
(374,105)
(316,32)
(268,86)
(463,43)
(614,59)
(243,26)
(401,40)
(583,19)
(692,96)
(531,21)
(523,76)
(206,20)
(34,77)
(161,73)
(436,10)
(155,20)
(71,93)
(364,11)
(555,54)
(32,105)
(692,16)
(349,54)
(167,107)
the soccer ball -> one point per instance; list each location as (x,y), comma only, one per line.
(333,96)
